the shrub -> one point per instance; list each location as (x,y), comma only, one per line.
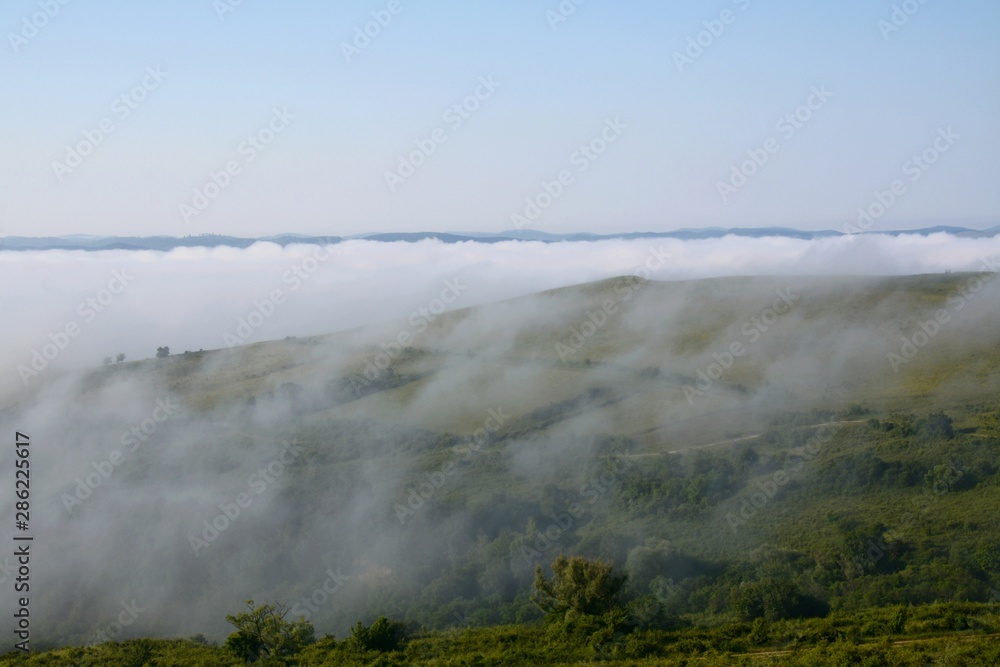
(263,632)
(936,425)
(383,636)
(773,599)
(579,585)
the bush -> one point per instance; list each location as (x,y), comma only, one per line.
(579,585)
(774,599)
(759,632)
(935,426)
(383,636)
(897,625)
(263,632)
(988,558)
(945,479)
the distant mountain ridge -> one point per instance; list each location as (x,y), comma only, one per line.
(164,243)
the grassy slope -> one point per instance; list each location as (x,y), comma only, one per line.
(942,634)
(675,327)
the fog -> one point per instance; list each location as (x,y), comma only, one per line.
(309,485)
(190,299)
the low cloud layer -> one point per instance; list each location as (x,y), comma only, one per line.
(94,305)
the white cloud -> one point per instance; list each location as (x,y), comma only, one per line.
(191,298)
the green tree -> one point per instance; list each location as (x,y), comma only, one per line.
(945,479)
(937,425)
(263,632)
(869,550)
(579,585)
(987,557)
(383,635)
(771,599)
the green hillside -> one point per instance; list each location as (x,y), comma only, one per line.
(763,457)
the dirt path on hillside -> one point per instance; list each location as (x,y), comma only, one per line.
(735,440)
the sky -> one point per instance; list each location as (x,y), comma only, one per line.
(252,118)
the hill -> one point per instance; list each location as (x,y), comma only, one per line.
(708,437)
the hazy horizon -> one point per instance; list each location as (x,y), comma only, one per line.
(983,226)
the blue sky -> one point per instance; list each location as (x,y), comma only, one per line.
(342,124)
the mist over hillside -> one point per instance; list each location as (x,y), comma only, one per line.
(91,305)
(413,465)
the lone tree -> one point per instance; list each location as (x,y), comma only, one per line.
(107,361)
(263,632)
(579,585)
(383,635)
(163,351)
(120,358)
